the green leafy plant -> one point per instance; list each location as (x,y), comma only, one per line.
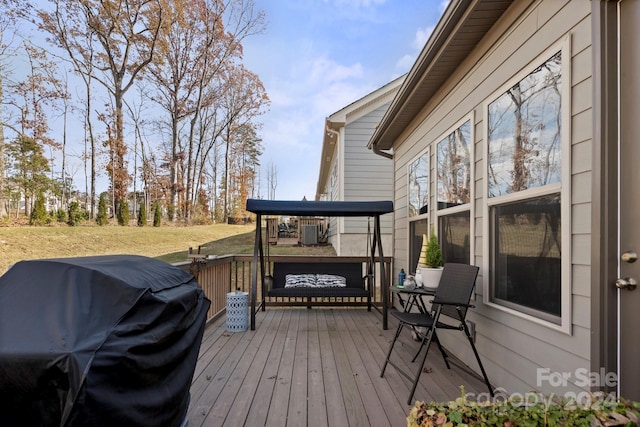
(529,409)
(430,254)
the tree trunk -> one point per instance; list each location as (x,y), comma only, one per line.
(3,211)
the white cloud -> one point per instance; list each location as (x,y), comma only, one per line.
(422,35)
(325,71)
(405,62)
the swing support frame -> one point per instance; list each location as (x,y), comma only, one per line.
(371,209)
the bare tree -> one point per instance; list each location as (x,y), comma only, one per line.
(203,41)
(30,98)
(126,32)
(5,22)
(244,100)
(272,180)
(9,10)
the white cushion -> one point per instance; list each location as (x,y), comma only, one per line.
(330,281)
(299,280)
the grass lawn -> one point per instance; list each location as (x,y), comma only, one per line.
(167,242)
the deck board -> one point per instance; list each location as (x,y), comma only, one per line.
(317,367)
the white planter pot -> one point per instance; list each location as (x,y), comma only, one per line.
(431,276)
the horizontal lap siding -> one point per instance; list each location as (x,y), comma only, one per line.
(514,348)
(366,175)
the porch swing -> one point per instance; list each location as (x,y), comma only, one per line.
(350,271)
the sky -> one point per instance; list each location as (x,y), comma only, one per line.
(316,57)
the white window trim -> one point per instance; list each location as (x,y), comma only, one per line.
(427,215)
(426,151)
(564,186)
(468,206)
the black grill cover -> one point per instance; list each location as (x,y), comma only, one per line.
(98,341)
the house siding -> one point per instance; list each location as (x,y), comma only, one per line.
(512,347)
(366,177)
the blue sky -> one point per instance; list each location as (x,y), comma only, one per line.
(318,56)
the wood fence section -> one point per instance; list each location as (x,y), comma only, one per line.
(219,275)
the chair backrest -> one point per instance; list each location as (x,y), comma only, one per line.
(456,285)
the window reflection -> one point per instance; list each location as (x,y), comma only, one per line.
(524,132)
(419,185)
(454,167)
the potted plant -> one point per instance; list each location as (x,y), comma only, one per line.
(431,261)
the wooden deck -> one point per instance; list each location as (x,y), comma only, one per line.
(318,367)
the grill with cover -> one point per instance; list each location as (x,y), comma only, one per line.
(98,341)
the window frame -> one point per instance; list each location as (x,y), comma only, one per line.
(421,216)
(441,212)
(563,323)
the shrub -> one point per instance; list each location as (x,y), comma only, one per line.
(102,218)
(75,215)
(142,215)
(123,213)
(39,212)
(61,215)
(530,409)
(171,212)
(157,215)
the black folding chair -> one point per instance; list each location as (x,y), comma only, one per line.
(451,299)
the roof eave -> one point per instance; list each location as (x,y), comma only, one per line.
(430,71)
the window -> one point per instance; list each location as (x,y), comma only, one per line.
(454,234)
(454,177)
(526,133)
(418,193)
(419,185)
(454,167)
(527,245)
(417,229)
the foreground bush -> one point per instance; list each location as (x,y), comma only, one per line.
(531,409)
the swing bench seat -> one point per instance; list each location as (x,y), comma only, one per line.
(355,283)
(354,292)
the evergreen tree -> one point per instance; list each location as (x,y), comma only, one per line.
(102,218)
(61,215)
(157,215)
(39,212)
(142,215)
(123,213)
(75,215)
(27,168)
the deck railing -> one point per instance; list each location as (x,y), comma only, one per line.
(219,275)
